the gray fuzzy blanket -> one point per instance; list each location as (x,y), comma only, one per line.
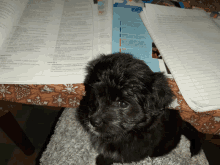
(70,146)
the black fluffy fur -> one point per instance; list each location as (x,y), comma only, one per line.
(125,111)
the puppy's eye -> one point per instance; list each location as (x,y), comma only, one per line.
(123,104)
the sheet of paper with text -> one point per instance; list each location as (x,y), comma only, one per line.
(52,41)
(189,43)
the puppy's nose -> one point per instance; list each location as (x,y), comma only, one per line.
(96,121)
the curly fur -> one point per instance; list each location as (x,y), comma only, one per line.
(125,111)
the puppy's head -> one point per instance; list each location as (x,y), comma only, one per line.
(122,94)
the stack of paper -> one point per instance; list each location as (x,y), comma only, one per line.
(50,42)
(189,41)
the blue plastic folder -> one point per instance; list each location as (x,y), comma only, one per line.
(129,35)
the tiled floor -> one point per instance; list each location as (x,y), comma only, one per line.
(39,122)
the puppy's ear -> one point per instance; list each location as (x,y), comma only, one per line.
(161,95)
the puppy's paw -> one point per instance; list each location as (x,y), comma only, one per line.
(100,160)
(195,147)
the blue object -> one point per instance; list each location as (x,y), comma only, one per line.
(181,4)
(148,1)
(129,29)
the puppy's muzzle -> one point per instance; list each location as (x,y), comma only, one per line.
(96,121)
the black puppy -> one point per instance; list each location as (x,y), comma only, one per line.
(124,111)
